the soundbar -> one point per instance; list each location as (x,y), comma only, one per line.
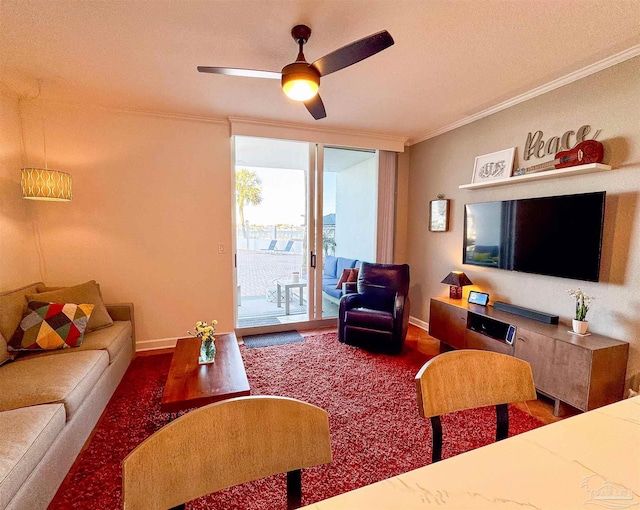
(526,312)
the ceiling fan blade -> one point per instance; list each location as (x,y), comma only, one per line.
(248,73)
(353,53)
(316,107)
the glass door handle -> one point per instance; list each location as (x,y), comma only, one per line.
(313,260)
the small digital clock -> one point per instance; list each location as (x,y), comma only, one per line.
(478,298)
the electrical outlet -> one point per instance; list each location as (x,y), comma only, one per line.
(220,247)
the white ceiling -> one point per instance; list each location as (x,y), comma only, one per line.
(451,58)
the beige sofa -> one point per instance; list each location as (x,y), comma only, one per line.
(50,401)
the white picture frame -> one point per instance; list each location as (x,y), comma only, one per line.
(497,166)
(439,215)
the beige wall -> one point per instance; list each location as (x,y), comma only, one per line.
(151,201)
(608,101)
(19,261)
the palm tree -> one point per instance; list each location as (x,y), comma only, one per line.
(248,192)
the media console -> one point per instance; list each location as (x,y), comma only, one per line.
(584,372)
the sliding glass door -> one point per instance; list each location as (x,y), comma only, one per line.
(271,181)
(349,212)
(302,212)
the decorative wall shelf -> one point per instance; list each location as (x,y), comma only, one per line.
(548,174)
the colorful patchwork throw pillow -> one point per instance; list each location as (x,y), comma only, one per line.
(51,326)
(88,292)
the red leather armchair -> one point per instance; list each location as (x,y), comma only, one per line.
(377,316)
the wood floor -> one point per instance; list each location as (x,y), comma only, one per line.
(417,338)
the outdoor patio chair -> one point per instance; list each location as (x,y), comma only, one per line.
(287,248)
(272,246)
(466,379)
(225,444)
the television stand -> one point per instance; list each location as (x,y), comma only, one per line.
(584,372)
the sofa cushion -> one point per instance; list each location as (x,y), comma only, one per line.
(65,378)
(88,292)
(330,264)
(5,355)
(51,326)
(13,305)
(329,286)
(329,283)
(27,434)
(109,339)
(331,290)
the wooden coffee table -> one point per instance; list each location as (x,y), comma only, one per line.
(192,385)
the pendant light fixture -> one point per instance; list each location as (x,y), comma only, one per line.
(44,183)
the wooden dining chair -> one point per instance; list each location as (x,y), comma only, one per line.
(466,379)
(225,444)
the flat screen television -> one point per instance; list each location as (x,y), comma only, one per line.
(556,236)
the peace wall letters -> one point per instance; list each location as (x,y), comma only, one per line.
(537,147)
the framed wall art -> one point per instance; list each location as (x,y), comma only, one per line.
(495,166)
(439,214)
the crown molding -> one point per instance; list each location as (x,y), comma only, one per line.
(133,111)
(613,60)
(320,130)
(306,127)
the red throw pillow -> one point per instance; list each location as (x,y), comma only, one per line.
(353,275)
(344,277)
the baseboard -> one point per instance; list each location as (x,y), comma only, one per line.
(169,343)
(158,343)
(418,323)
(161,343)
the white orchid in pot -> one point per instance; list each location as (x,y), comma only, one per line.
(205,332)
(580,323)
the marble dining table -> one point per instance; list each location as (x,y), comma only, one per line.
(591,460)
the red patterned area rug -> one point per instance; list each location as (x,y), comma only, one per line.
(376,431)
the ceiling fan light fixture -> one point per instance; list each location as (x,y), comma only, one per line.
(300,89)
(300,82)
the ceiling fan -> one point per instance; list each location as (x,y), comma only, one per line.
(301,80)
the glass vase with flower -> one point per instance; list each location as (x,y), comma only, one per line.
(205,332)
